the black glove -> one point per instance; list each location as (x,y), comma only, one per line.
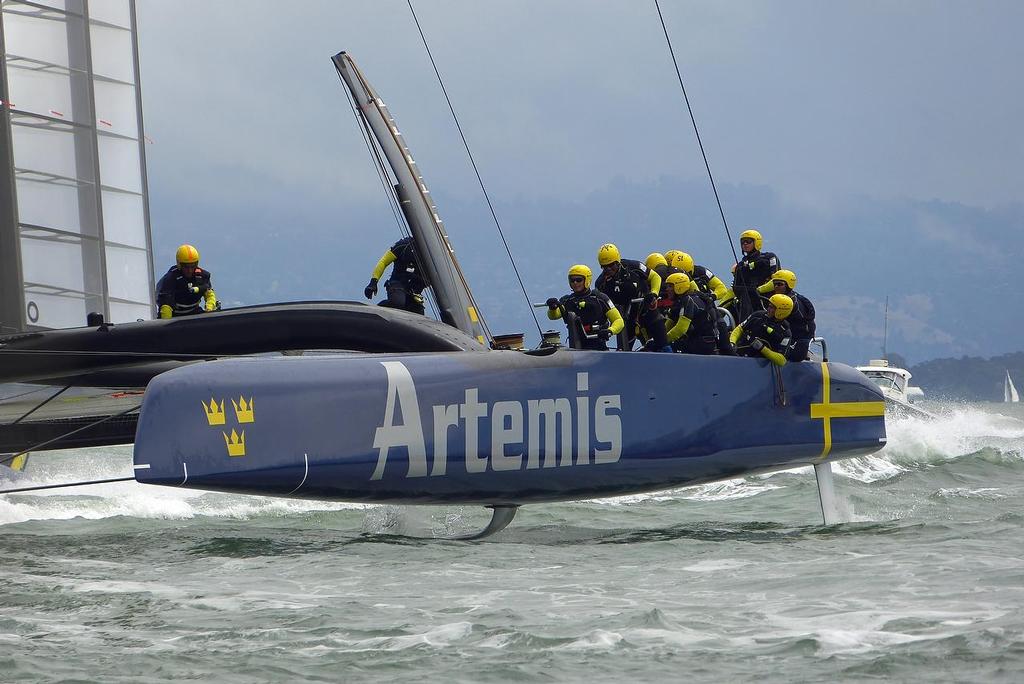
(757,345)
(604,334)
(371,289)
(650,299)
(553,303)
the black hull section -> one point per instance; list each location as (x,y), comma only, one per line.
(131,354)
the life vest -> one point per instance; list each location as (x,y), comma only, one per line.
(406,270)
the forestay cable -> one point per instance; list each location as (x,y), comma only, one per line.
(696,132)
(475,169)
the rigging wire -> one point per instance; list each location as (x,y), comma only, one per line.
(476,170)
(9,458)
(693,120)
(66,484)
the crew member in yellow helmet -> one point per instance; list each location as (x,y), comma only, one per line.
(594,313)
(752,271)
(801,321)
(625,280)
(692,318)
(185,289)
(766,333)
(708,283)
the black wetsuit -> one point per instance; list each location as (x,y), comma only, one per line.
(628,283)
(405,285)
(182,294)
(801,325)
(701,336)
(774,333)
(702,276)
(752,271)
(591,311)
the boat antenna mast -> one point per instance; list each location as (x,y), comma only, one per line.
(885,328)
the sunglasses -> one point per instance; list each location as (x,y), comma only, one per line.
(576,279)
(750,240)
(779,283)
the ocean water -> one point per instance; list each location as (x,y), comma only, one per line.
(736,580)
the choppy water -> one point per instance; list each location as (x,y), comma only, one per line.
(731,581)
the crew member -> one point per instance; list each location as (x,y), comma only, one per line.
(405,286)
(593,311)
(656,262)
(801,321)
(750,272)
(708,283)
(766,333)
(624,280)
(185,289)
(692,319)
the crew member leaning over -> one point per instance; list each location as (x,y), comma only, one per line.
(691,318)
(708,283)
(766,333)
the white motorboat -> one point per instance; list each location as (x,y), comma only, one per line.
(894,382)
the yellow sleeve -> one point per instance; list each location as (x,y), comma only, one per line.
(734,336)
(773,356)
(654,280)
(766,287)
(679,329)
(616,324)
(727,296)
(166,311)
(554,314)
(719,288)
(385,261)
(211,300)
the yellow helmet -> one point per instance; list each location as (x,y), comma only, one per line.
(671,255)
(786,276)
(682,261)
(187,254)
(608,254)
(680,283)
(783,305)
(581,270)
(755,236)
(655,259)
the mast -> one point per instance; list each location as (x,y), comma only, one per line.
(435,254)
(885,328)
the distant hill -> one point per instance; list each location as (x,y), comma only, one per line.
(968,377)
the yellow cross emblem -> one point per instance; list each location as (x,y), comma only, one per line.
(827,410)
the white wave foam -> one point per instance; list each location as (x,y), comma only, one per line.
(960,431)
(129,499)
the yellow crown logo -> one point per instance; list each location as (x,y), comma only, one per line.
(214,413)
(235,444)
(243,410)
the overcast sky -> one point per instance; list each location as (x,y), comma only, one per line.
(825,103)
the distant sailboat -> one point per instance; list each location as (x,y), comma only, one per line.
(1009,391)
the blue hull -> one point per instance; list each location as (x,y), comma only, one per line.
(495,427)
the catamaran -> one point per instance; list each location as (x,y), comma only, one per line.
(424,411)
